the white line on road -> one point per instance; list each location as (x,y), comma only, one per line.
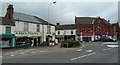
(42,51)
(112,46)
(12,55)
(0,56)
(79,50)
(107,49)
(33,52)
(88,50)
(110,43)
(83,56)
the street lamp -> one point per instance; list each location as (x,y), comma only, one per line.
(93,31)
(49,12)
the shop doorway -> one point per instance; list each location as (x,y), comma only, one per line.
(39,40)
(86,39)
(35,41)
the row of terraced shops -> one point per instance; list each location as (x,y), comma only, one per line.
(17,28)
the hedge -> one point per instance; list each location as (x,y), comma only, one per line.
(72,43)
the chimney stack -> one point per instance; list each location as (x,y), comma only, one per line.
(58,24)
(10,11)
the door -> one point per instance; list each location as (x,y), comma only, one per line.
(35,41)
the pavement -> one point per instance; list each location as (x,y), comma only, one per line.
(92,52)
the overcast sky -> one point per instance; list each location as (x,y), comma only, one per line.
(65,12)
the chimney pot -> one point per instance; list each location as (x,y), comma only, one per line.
(58,24)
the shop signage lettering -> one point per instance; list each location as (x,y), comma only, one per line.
(28,34)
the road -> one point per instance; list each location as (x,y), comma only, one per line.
(92,52)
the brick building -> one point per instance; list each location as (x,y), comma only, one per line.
(93,28)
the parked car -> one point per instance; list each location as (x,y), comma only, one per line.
(107,39)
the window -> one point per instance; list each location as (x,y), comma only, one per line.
(58,32)
(84,29)
(103,29)
(99,21)
(26,27)
(71,32)
(99,29)
(8,29)
(89,29)
(38,28)
(48,29)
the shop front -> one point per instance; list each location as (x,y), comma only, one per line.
(87,37)
(7,40)
(34,39)
(65,37)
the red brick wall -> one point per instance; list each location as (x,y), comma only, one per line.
(107,28)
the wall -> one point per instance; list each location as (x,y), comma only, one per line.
(32,26)
(3,29)
(45,32)
(68,32)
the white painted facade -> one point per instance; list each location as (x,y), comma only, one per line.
(66,35)
(66,32)
(19,25)
(3,29)
(44,31)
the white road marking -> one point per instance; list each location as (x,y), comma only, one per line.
(107,49)
(33,52)
(83,56)
(12,55)
(112,45)
(19,50)
(79,50)
(0,56)
(88,50)
(42,51)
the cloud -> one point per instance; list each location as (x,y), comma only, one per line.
(64,12)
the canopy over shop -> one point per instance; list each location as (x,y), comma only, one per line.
(35,38)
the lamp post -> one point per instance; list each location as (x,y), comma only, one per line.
(93,31)
(49,12)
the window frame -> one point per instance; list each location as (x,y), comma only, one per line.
(7,30)
(26,27)
(38,28)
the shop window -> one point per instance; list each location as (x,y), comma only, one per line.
(6,42)
(38,28)
(71,32)
(26,27)
(64,32)
(89,29)
(8,29)
(84,29)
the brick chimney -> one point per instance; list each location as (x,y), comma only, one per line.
(57,24)
(9,13)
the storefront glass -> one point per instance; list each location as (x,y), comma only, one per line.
(7,41)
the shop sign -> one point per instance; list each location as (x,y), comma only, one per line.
(28,34)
